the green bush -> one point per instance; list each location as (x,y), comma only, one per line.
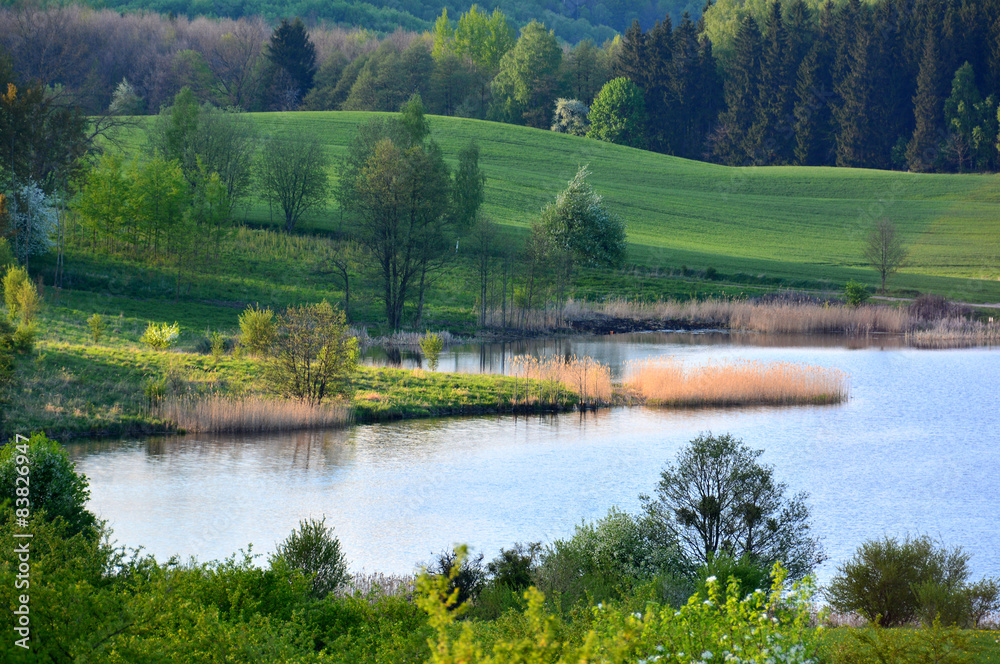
(257,329)
(218,345)
(160,336)
(315,551)
(607,558)
(892,583)
(748,573)
(23,339)
(431,346)
(465,574)
(54,488)
(6,253)
(18,292)
(856,293)
(97,326)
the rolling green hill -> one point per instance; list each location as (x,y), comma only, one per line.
(797,223)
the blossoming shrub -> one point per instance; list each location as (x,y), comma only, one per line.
(763,627)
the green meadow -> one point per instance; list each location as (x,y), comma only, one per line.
(802,225)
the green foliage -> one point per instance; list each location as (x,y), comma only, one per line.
(892,583)
(6,253)
(525,85)
(368,630)
(293,174)
(749,575)
(160,336)
(719,498)
(607,558)
(20,295)
(878,645)
(53,485)
(313,355)
(763,627)
(313,550)
(856,293)
(581,224)
(618,114)
(97,326)
(464,574)
(257,329)
(218,345)
(431,346)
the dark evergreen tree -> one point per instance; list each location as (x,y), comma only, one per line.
(657,74)
(921,152)
(812,109)
(855,140)
(731,139)
(770,134)
(291,51)
(632,58)
(685,92)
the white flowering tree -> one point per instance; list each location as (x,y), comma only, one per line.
(34,222)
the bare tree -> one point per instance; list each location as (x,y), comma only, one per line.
(293,174)
(884,249)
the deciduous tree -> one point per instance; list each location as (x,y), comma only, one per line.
(293,174)
(718,498)
(884,249)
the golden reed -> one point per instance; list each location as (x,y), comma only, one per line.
(585,376)
(217,414)
(666,381)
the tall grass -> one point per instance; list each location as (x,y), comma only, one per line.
(587,377)
(253,414)
(956,332)
(743,315)
(666,381)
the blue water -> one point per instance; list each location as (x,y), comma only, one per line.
(916,450)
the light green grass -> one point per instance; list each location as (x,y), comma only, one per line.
(798,223)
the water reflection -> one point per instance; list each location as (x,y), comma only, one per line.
(614,350)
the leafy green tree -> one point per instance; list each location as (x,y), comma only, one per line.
(618,114)
(293,174)
(484,38)
(469,190)
(525,85)
(56,487)
(158,197)
(99,202)
(313,355)
(580,224)
(962,112)
(718,498)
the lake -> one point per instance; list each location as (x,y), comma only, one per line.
(915,450)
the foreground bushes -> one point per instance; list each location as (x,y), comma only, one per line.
(892,583)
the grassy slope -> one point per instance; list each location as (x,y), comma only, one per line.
(794,222)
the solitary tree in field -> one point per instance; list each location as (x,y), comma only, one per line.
(884,249)
(293,174)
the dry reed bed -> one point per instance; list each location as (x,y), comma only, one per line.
(956,332)
(587,377)
(760,316)
(665,381)
(375,584)
(218,414)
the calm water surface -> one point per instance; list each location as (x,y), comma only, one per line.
(915,450)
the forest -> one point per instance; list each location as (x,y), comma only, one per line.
(894,84)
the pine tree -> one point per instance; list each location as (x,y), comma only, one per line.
(768,135)
(730,141)
(685,90)
(291,50)
(812,110)
(658,78)
(922,149)
(854,114)
(632,57)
